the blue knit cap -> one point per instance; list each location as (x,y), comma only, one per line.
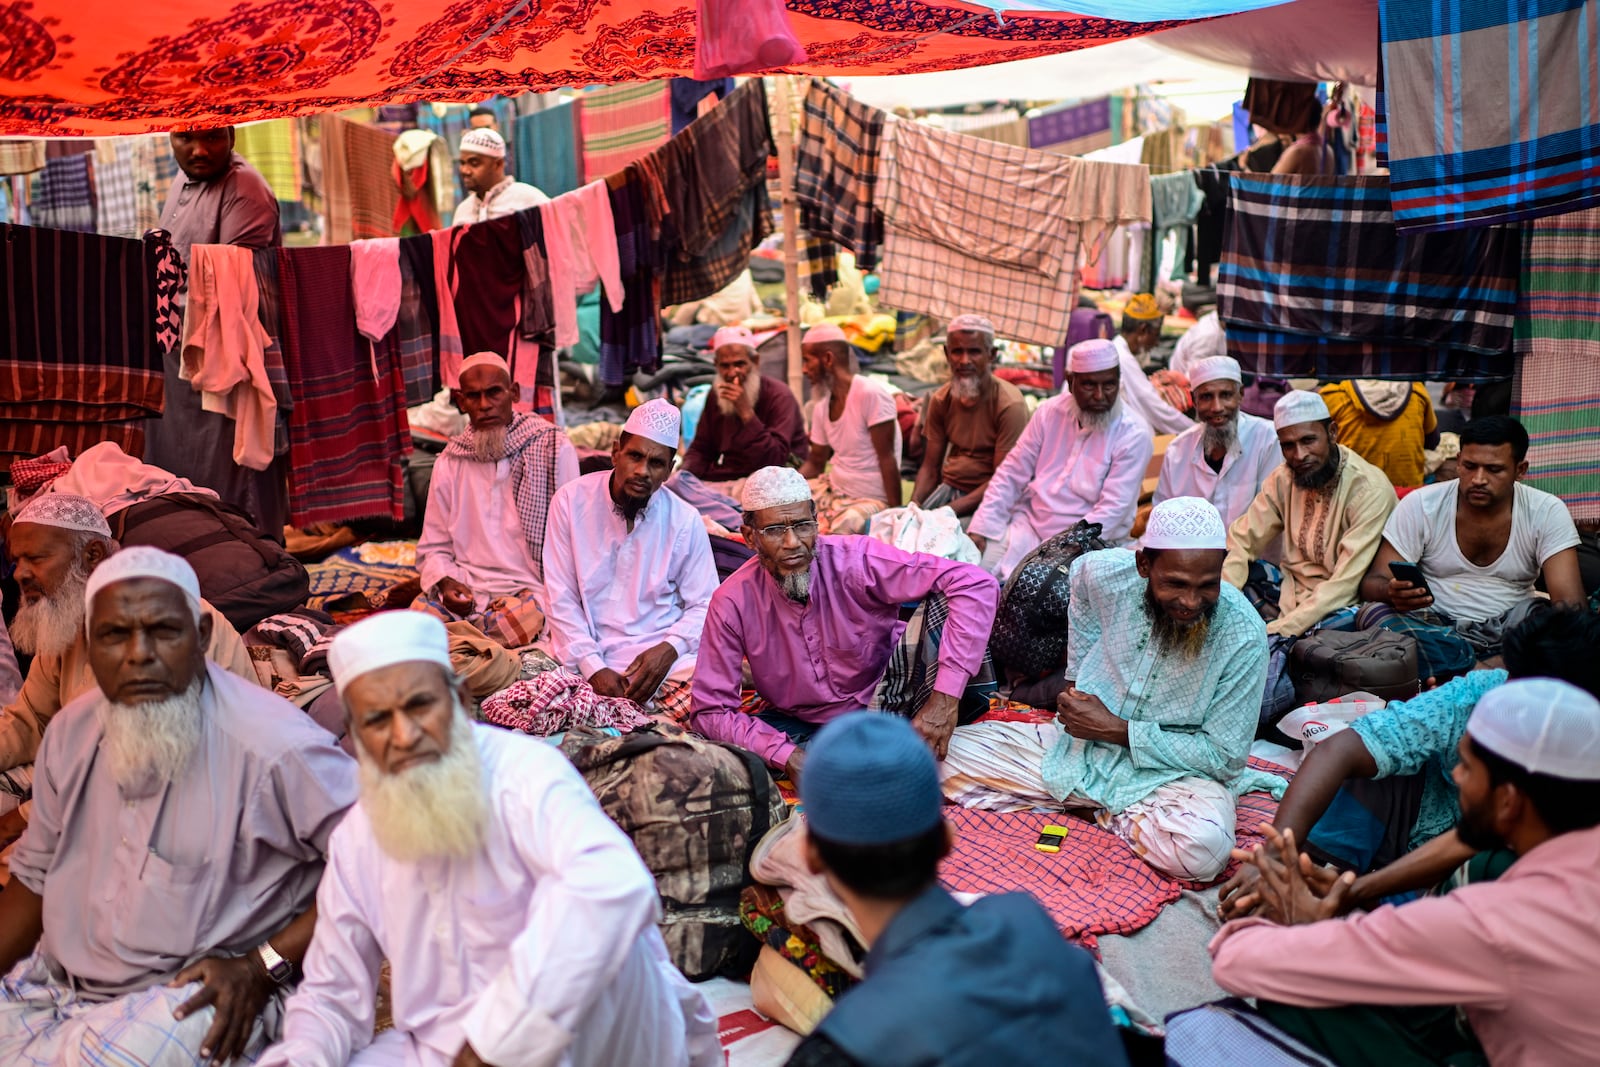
(870,779)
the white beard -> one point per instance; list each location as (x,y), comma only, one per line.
(439,810)
(1213,437)
(797,586)
(752,391)
(52,625)
(1098,420)
(152,741)
(966,389)
(489,445)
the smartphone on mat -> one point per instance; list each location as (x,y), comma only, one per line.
(1410,572)
(1050,839)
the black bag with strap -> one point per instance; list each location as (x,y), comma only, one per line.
(1332,663)
(243,573)
(1029,639)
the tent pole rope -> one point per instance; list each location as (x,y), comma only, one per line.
(784,131)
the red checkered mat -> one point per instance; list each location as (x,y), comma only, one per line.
(1095,884)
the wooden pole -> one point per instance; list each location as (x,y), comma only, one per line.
(791,234)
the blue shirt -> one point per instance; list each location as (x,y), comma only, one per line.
(1410,735)
(990,985)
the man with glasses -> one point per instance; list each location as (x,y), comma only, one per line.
(818,620)
(1082,456)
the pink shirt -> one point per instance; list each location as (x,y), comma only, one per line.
(1517,954)
(818,660)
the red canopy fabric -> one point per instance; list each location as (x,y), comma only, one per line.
(98,67)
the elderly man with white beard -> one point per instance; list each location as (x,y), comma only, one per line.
(1164,669)
(56,541)
(750,421)
(164,889)
(481,553)
(1227,457)
(518,919)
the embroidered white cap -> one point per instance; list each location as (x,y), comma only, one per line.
(64,511)
(143,561)
(733,335)
(1214,369)
(1297,406)
(655,420)
(485,359)
(1185,522)
(1088,357)
(970,324)
(385,639)
(774,487)
(822,333)
(1543,725)
(483,142)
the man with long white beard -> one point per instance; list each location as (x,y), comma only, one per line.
(518,919)
(481,553)
(818,620)
(1082,456)
(971,423)
(57,540)
(1227,457)
(754,421)
(163,891)
(1164,666)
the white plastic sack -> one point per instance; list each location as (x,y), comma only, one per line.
(937,532)
(1315,723)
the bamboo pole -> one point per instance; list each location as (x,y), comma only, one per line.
(784,131)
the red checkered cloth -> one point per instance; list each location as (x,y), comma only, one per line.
(1095,884)
(555,701)
(28,476)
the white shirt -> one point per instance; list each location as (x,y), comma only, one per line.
(854,470)
(506,198)
(471,532)
(1423,530)
(541,949)
(1141,397)
(1252,456)
(1201,341)
(1061,472)
(613,594)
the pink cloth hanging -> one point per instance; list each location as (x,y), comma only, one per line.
(742,37)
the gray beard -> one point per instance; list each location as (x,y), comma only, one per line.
(150,742)
(1096,420)
(439,810)
(966,388)
(752,392)
(489,445)
(52,625)
(797,586)
(1214,438)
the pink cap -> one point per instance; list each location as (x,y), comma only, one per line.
(733,335)
(822,333)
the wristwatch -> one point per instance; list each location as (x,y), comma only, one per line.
(277,968)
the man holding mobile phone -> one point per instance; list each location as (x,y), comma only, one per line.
(1458,560)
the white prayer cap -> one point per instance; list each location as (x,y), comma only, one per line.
(483,142)
(64,512)
(774,487)
(970,324)
(143,561)
(1543,725)
(385,639)
(733,335)
(822,333)
(1214,369)
(485,359)
(1297,406)
(655,420)
(1096,354)
(1185,522)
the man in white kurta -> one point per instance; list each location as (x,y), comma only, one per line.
(491,192)
(1082,456)
(518,920)
(1141,331)
(628,570)
(1226,458)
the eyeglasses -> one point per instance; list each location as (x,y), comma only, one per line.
(803,529)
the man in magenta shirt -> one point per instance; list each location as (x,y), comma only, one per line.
(818,619)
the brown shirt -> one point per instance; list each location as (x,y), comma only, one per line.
(235,209)
(976,439)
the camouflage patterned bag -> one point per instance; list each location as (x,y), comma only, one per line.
(694,809)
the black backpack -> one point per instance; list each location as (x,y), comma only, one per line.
(1029,640)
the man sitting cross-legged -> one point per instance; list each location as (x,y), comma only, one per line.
(628,570)
(854,462)
(481,553)
(818,620)
(1164,668)
(163,890)
(518,920)
(750,421)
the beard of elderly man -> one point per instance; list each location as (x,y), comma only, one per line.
(52,571)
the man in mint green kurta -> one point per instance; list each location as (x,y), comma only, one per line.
(1165,664)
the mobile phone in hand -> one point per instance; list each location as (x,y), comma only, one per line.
(1410,572)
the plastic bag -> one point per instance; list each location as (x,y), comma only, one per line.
(1315,723)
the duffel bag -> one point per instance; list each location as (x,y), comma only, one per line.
(695,810)
(1333,663)
(243,573)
